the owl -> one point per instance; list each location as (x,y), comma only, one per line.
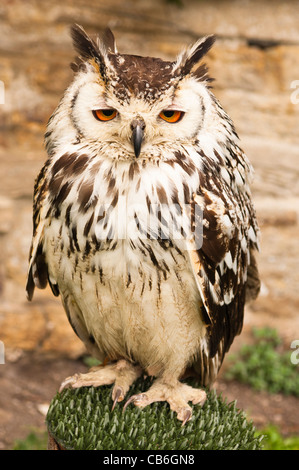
(144,222)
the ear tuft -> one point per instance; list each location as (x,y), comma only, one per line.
(189,58)
(84,45)
(108,41)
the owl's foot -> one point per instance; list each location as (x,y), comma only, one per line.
(176,394)
(122,373)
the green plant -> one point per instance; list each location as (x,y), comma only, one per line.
(35,440)
(273,440)
(82,419)
(264,365)
(90,361)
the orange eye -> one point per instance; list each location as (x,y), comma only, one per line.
(104,114)
(171,116)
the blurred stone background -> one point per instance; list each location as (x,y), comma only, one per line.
(255,62)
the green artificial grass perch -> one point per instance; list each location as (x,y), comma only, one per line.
(81,419)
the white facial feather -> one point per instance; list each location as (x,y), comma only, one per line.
(191,97)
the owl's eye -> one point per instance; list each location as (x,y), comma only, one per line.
(171,116)
(104,114)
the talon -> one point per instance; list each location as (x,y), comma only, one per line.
(134,399)
(118,393)
(187,417)
(68,382)
(130,400)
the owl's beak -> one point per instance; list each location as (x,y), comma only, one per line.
(137,126)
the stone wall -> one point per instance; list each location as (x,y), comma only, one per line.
(255,62)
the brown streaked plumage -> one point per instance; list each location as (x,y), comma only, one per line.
(143,222)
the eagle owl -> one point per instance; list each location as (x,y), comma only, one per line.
(143,221)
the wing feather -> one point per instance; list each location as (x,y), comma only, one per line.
(224,264)
(38,275)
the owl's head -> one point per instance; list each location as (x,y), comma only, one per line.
(133,104)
